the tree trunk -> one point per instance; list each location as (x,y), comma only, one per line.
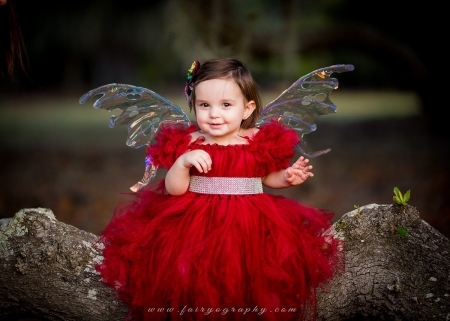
(397,268)
(47,271)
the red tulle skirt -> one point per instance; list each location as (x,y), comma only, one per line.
(218,257)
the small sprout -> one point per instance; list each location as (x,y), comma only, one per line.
(399,198)
(359,211)
(402,231)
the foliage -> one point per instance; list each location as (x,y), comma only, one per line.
(399,198)
(359,210)
(402,231)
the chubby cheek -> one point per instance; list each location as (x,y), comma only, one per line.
(202,118)
(199,115)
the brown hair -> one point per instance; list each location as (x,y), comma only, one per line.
(231,68)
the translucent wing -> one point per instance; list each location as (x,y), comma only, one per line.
(142,111)
(301,103)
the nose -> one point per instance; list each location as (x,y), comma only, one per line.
(214,112)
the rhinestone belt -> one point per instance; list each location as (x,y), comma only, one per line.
(225,185)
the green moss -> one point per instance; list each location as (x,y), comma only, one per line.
(340,225)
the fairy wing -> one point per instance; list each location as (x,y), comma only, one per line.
(303,101)
(142,111)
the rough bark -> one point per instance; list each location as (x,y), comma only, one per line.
(389,276)
(48,269)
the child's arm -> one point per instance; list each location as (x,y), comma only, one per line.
(177,178)
(294,175)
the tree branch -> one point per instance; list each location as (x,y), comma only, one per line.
(389,276)
(48,269)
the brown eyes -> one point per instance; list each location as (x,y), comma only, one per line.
(207,105)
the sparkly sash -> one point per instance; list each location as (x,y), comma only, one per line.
(226,185)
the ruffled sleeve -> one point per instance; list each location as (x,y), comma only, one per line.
(171,142)
(275,144)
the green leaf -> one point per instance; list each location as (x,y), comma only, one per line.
(399,198)
(407,196)
(402,231)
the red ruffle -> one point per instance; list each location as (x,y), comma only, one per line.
(171,142)
(271,150)
(273,146)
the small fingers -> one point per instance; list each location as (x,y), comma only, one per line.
(300,163)
(307,171)
(309,174)
(199,159)
(203,165)
(304,173)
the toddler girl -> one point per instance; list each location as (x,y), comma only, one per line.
(206,243)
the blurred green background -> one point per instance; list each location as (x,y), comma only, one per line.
(390,128)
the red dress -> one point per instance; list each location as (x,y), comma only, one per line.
(219,257)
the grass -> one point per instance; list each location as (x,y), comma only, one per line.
(63,120)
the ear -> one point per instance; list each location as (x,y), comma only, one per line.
(248,109)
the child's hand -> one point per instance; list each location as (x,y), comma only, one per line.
(197,158)
(298,172)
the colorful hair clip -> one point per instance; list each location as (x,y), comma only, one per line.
(189,86)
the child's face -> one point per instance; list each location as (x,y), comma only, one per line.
(220,107)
